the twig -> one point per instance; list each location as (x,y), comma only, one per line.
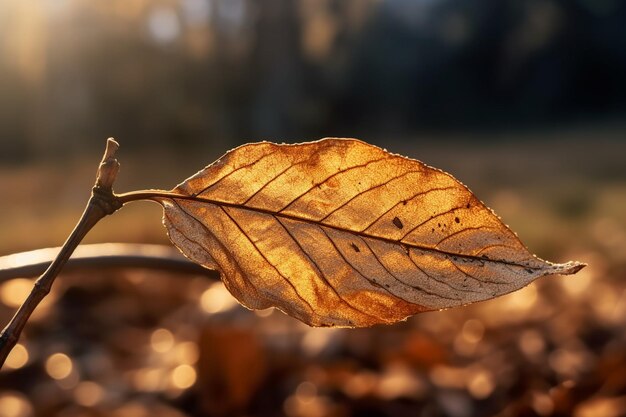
(101,255)
(101,203)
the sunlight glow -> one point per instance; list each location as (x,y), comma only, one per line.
(25,40)
(163,24)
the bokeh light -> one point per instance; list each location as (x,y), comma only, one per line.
(183,376)
(15,404)
(399,381)
(18,357)
(361,384)
(88,393)
(162,340)
(217,299)
(306,402)
(14,292)
(316,340)
(149,379)
(532,343)
(59,366)
(473,330)
(186,353)
(523,299)
(481,384)
(542,404)
(603,406)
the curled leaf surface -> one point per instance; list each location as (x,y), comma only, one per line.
(342,233)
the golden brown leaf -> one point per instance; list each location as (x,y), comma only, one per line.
(341,233)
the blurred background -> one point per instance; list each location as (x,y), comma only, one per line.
(524,101)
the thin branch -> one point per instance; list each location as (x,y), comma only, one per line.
(101,255)
(101,203)
(154,195)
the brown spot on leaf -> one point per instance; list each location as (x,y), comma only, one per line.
(398,223)
(355,247)
(332,183)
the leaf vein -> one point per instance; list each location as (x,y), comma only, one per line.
(438,280)
(219,242)
(465,229)
(480,281)
(406,245)
(267,260)
(320,273)
(421,193)
(493,245)
(400,280)
(452,210)
(268,182)
(328,178)
(368,279)
(219,180)
(368,190)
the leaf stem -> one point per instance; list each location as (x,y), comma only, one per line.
(147,195)
(101,203)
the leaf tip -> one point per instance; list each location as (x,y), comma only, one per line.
(569,268)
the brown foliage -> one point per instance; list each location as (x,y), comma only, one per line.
(342,233)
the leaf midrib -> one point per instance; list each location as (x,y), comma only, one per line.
(158,195)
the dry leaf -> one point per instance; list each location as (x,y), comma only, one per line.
(341,233)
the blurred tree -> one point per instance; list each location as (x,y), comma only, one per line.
(200,71)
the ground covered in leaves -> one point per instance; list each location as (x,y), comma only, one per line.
(118,342)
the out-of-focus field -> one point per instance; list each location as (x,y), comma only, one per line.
(145,343)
